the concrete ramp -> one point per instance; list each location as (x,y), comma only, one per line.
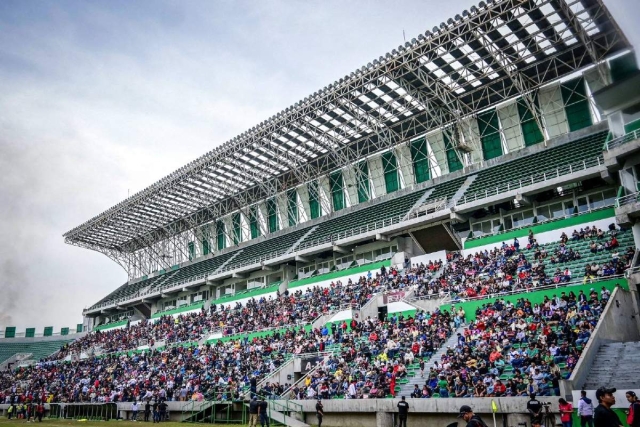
(275,408)
(287,420)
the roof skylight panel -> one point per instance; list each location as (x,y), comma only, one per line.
(565,33)
(576,6)
(587,23)
(386,98)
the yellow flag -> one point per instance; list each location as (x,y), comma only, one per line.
(494,407)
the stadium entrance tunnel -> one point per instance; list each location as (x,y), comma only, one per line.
(84,411)
(434,239)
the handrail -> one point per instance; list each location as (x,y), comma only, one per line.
(537,288)
(376,225)
(515,184)
(614,143)
(272,373)
(628,199)
(302,378)
(497,233)
(429,297)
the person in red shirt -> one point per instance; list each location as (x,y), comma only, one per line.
(499,389)
(566,411)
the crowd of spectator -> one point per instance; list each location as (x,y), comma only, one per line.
(294,307)
(509,349)
(374,355)
(507,268)
(515,349)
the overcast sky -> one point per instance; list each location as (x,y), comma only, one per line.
(101,98)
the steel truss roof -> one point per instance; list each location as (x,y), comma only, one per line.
(491,53)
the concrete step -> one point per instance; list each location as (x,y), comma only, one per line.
(407,389)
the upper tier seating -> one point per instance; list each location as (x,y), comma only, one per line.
(269,246)
(504,269)
(584,148)
(394,207)
(547,160)
(207,266)
(38,349)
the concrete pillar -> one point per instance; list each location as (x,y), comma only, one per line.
(436,144)
(628,180)
(304,211)
(405,166)
(384,419)
(324,190)
(263,216)
(376,175)
(552,108)
(471,134)
(283,213)
(511,129)
(245,226)
(636,233)
(350,185)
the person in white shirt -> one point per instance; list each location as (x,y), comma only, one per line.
(134,411)
(352,390)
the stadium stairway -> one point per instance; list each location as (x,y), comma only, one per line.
(301,239)
(463,189)
(615,365)
(278,413)
(407,388)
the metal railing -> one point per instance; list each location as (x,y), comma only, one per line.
(427,207)
(376,225)
(303,378)
(628,199)
(547,221)
(429,297)
(529,290)
(621,140)
(515,184)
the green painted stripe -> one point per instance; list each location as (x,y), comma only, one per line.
(110,325)
(247,294)
(196,306)
(470,307)
(541,228)
(340,273)
(258,334)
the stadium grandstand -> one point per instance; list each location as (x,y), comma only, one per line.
(456,219)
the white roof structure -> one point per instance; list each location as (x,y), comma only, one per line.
(492,52)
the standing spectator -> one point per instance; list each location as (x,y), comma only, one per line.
(566,410)
(603,415)
(134,411)
(585,410)
(163,410)
(534,407)
(39,412)
(156,412)
(319,412)
(263,408)
(633,414)
(253,412)
(472,419)
(403,411)
(147,411)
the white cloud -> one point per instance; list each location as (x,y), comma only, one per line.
(100,98)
